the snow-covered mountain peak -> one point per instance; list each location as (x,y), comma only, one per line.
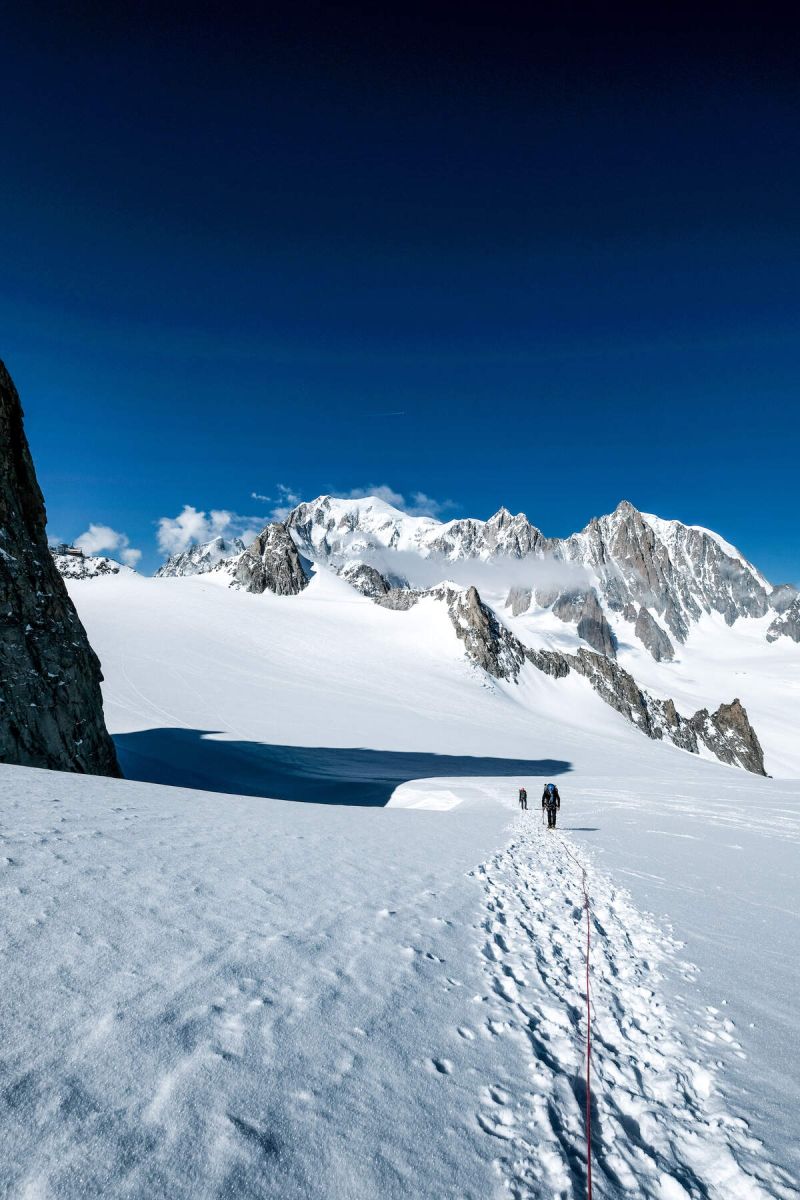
(199,559)
(636,561)
(343,528)
(89,566)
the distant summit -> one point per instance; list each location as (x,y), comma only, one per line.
(72,563)
(197,560)
(652,578)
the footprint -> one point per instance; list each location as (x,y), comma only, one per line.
(499,1124)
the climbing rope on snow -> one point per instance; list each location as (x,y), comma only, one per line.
(588,1118)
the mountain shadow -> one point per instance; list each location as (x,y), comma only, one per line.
(193,758)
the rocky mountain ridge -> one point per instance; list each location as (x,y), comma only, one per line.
(625,570)
(90,566)
(51,711)
(201,558)
(270,564)
(659,576)
(725,734)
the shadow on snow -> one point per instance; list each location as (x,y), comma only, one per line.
(194,758)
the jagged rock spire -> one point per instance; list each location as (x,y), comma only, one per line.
(51,710)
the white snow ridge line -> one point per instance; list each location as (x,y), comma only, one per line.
(660,1126)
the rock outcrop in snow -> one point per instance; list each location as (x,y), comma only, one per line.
(90,566)
(271,564)
(519,600)
(365,579)
(583,609)
(787,623)
(487,642)
(653,637)
(730,737)
(199,559)
(727,733)
(51,711)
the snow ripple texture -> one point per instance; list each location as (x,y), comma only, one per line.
(660,1127)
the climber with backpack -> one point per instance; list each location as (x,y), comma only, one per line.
(523,799)
(552,802)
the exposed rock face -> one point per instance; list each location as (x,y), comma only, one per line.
(656,718)
(486,641)
(787,624)
(783,596)
(89,567)
(51,710)
(519,600)
(200,559)
(583,608)
(677,570)
(653,637)
(546,595)
(271,564)
(365,579)
(400,599)
(729,735)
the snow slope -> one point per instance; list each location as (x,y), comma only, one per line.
(222,996)
(324,669)
(245,997)
(218,995)
(717,663)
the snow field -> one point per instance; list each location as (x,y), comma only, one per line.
(660,1128)
(717,663)
(270,999)
(235,997)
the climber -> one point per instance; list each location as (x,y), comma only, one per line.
(552,802)
(523,799)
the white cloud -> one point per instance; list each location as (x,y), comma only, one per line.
(192,525)
(98,538)
(258,496)
(287,499)
(419,504)
(496,575)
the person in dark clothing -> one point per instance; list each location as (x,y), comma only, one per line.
(552,802)
(523,799)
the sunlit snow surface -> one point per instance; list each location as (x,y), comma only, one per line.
(208,995)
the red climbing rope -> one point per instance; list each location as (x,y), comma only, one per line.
(582,870)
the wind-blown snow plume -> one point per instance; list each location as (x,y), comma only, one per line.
(102,537)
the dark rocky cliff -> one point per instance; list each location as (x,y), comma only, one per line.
(51,711)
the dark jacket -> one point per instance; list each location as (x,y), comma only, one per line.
(551,800)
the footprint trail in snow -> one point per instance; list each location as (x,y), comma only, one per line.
(660,1126)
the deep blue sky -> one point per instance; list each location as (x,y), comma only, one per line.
(494,264)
